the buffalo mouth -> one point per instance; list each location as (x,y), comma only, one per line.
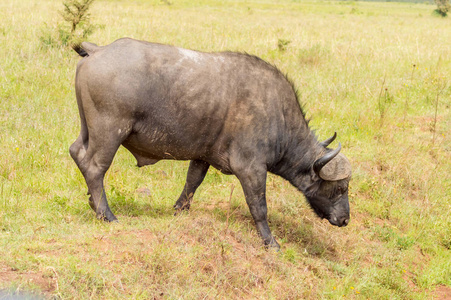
(319,212)
(336,221)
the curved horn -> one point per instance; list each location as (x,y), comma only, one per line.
(329,140)
(322,161)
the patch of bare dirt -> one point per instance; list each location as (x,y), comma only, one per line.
(45,282)
(118,241)
(442,293)
(409,278)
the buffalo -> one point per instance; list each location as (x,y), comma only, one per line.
(229,110)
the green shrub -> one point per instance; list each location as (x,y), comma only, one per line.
(77,25)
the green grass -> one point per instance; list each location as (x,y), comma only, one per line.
(370,71)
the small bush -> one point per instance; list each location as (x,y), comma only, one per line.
(282,44)
(76,28)
(443,7)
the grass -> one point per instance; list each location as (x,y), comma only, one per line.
(377,73)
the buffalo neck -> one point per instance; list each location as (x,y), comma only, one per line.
(301,151)
(298,145)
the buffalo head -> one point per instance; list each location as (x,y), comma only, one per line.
(328,194)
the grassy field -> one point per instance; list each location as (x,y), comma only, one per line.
(377,73)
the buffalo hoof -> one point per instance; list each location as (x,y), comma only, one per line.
(181,205)
(275,248)
(272,245)
(180,209)
(107,217)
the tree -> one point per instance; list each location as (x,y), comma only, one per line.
(76,14)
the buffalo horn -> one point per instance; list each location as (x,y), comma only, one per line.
(329,140)
(322,161)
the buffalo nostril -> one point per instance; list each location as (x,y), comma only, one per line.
(345,222)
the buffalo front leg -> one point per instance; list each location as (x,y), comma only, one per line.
(253,181)
(93,163)
(196,174)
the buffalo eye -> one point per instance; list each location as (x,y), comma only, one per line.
(340,190)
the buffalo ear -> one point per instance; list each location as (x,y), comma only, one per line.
(338,168)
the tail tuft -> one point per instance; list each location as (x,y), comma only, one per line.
(79,50)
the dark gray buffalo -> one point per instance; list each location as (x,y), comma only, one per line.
(228,110)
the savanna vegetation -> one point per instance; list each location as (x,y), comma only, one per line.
(377,73)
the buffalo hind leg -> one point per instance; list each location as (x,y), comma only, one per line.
(253,182)
(93,163)
(196,174)
(78,149)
